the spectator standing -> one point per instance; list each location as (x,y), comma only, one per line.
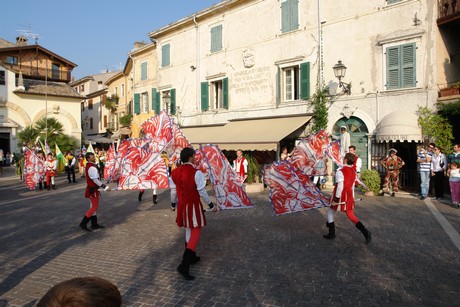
(454,183)
(344,140)
(438,168)
(424,161)
(453,157)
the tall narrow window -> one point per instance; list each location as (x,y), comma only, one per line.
(216,38)
(143,71)
(145,102)
(2,77)
(291,83)
(122,90)
(289,15)
(56,71)
(165,55)
(91,123)
(90,104)
(400,65)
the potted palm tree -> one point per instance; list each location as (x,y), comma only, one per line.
(254,181)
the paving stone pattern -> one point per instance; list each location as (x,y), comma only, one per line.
(248,257)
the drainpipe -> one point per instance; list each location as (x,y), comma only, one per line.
(132,82)
(197,60)
(320,49)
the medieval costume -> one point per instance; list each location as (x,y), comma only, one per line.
(50,168)
(393,164)
(92,192)
(190,186)
(342,198)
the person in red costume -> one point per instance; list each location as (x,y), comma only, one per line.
(92,192)
(50,167)
(190,186)
(240,165)
(342,198)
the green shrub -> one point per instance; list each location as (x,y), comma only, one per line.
(254,172)
(371,179)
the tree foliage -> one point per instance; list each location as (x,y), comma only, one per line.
(319,100)
(436,128)
(51,130)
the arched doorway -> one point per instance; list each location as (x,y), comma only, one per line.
(358,135)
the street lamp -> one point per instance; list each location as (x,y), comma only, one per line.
(339,71)
(166,99)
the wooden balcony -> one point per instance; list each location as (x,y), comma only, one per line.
(41,73)
(448,12)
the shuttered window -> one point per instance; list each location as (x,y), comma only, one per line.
(172,107)
(289,15)
(137,103)
(305,81)
(155,101)
(400,62)
(216,38)
(225,93)
(204,96)
(165,55)
(144,71)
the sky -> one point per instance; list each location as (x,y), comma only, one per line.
(94,34)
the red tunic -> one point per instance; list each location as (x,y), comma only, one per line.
(189,209)
(347,196)
(91,188)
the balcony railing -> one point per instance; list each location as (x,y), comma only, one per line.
(448,7)
(41,73)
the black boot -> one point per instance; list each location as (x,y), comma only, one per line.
(84,223)
(366,233)
(331,234)
(53,186)
(40,186)
(154,199)
(48,186)
(195,258)
(140,195)
(184,267)
(173,206)
(94,223)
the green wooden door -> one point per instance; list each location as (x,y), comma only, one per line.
(358,135)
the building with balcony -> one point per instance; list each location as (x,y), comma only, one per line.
(34,83)
(95,116)
(243,72)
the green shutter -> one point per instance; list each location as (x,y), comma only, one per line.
(289,15)
(225,92)
(204,96)
(392,1)
(408,65)
(305,81)
(285,20)
(137,103)
(278,86)
(144,71)
(155,101)
(392,56)
(216,38)
(173,102)
(158,108)
(294,14)
(165,55)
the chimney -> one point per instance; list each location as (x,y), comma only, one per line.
(22,41)
(20,82)
(138,44)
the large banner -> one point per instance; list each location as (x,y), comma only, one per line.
(229,190)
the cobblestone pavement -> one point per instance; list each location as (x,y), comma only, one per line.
(248,256)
